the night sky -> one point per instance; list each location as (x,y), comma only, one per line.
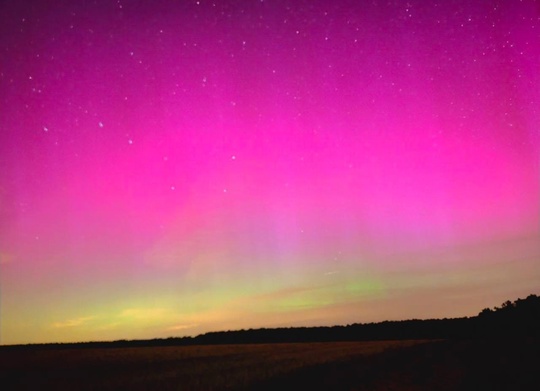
(173,167)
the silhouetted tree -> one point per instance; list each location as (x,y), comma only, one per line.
(486,312)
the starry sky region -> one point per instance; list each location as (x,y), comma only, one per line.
(173,167)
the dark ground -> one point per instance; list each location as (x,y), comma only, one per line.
(509,364)
(489,364)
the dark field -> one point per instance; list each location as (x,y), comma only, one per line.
(378,365)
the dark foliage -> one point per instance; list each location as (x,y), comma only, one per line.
(518,318)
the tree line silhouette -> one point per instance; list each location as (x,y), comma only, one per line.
(520,318)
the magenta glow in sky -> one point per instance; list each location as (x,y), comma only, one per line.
(175,167)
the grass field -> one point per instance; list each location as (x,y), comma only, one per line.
(172,368)
(377,365)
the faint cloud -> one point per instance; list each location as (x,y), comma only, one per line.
(73,322)
(182,327)
(110,326)
(144,313)
(283,293)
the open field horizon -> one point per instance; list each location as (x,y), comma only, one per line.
(501,364)
(197,367)
(520,317)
